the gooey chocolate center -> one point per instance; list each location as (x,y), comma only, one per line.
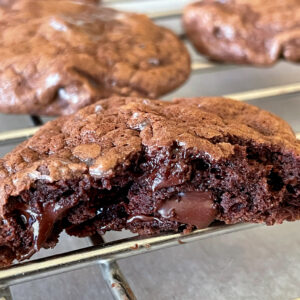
(41,222)
(192,208)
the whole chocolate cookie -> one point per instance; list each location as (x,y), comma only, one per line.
(59,56)
(147,166)
(245,31)
(8,3)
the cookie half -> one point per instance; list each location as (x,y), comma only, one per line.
(147,166)
(59,56)
(255,32)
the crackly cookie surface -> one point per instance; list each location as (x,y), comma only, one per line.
(147,166)
(8,3)
(59,56)
(245,31)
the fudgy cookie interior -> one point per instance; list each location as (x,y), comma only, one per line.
(147,166)
(167,191)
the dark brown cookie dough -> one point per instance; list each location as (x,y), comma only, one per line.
(245,31)
(148,166)
(59,56)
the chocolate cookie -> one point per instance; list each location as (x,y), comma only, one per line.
(245,31)
(8,3)
(147,166)
(59,56)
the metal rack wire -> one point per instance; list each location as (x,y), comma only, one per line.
(107,254)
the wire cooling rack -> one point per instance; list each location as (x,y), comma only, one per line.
(107,254)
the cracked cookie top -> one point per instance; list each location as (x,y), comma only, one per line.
(245,31)
(59,56)
(103,139)
(8,3)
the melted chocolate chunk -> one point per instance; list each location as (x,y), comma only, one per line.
(142,218)
(40,223)
(193,208)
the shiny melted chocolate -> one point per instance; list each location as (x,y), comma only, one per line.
(142,218)
(192,208)
(41,222)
